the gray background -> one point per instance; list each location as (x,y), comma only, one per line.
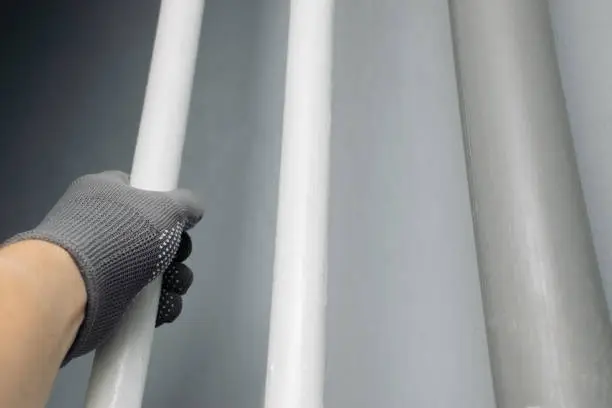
(405,322)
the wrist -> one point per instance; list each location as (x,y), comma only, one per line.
(46,285)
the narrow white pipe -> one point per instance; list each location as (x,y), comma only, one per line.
(296,344)
(120,366)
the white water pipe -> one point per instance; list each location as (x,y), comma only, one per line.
(296,345)
(120,366)
(549,333)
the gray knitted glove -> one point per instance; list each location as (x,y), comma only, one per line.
(121,238)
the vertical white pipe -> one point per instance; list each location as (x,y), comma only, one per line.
(120,366)
(548,327)
(296,344)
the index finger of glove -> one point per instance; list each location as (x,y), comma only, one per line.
(190,204)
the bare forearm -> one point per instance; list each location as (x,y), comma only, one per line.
(42,302)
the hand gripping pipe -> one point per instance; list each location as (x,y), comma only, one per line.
(548,328)
(120,366)
(296,343)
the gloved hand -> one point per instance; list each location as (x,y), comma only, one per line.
(121,238)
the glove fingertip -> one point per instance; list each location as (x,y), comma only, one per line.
(191,205)
(178,279)
(170,307)
(185,248)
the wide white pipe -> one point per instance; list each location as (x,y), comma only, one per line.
(549,333)
(296,344)
(120,366)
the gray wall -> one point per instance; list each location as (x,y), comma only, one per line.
(405,322)
(405,325)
